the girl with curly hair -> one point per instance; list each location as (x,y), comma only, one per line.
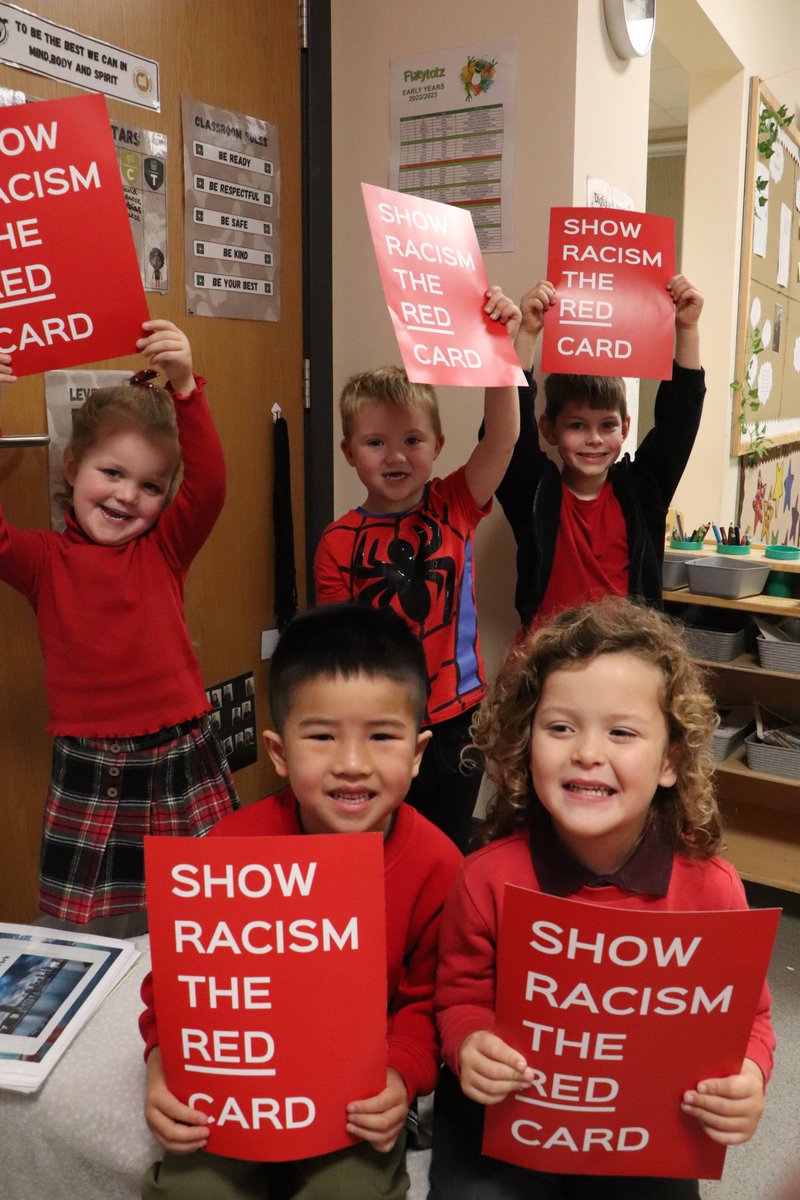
(596,737)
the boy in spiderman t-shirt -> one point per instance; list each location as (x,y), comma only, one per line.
(409,547)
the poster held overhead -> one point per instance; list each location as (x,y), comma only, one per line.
(70,288)
(435,285)
(613,314)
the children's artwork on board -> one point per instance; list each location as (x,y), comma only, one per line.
(770,498)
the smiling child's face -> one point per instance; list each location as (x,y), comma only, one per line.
(393,448)
(589,442)
(121,484)
(599,750)
(350,747)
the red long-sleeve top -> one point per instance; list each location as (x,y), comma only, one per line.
(420,864)
(117,653)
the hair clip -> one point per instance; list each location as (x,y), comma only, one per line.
(144,379)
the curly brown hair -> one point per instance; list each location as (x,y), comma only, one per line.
(501,728)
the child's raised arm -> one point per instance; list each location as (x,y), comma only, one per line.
(488,461)
(533,305)
(688,306)
(167,347)
(178,1128)
(729,1109)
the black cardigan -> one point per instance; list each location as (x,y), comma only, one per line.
(530,492)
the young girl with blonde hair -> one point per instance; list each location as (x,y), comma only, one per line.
(134,750)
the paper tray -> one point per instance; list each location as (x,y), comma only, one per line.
(772,760)
(725,577)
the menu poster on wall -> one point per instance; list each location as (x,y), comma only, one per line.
(453,133)
(35,44)
(142,155)
(64,392)
(435,285)
(232,178)
(70,290)
(619,1012)
(262,948)
(613,314)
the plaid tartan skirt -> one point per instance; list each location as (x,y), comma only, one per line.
(106,794)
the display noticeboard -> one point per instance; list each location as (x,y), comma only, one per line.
(768,339)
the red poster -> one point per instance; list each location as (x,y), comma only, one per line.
(435,285)
(619,1012)
(70,289)
(269,971)
(613,314)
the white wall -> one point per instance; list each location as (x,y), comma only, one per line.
(581,111)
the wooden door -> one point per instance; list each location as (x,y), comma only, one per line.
(241,55)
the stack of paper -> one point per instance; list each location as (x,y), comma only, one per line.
(51,981)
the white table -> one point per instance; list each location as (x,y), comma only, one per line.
(82,1136)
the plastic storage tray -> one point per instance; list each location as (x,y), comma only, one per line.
(725,577)
(734,725)
(781,656)
(772,760)
(673,575)
(716,645)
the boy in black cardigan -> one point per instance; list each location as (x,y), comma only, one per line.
(598,525)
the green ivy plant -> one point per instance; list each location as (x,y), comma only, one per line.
(770,122)
(753,430)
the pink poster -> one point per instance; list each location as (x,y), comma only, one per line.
(613,314)
(619,1012)
(435,285)
(70,288)
(269,974)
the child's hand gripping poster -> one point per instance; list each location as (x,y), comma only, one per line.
(619,1012)
(269,976)
(613,314)
(70,288)
(435,285)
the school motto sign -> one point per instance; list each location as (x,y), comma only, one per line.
(70,288)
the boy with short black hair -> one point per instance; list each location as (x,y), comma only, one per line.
(598,526)
(347,692)
(409,547)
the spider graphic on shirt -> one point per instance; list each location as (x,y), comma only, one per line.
(406,571)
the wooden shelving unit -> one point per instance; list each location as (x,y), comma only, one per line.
(762,812)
